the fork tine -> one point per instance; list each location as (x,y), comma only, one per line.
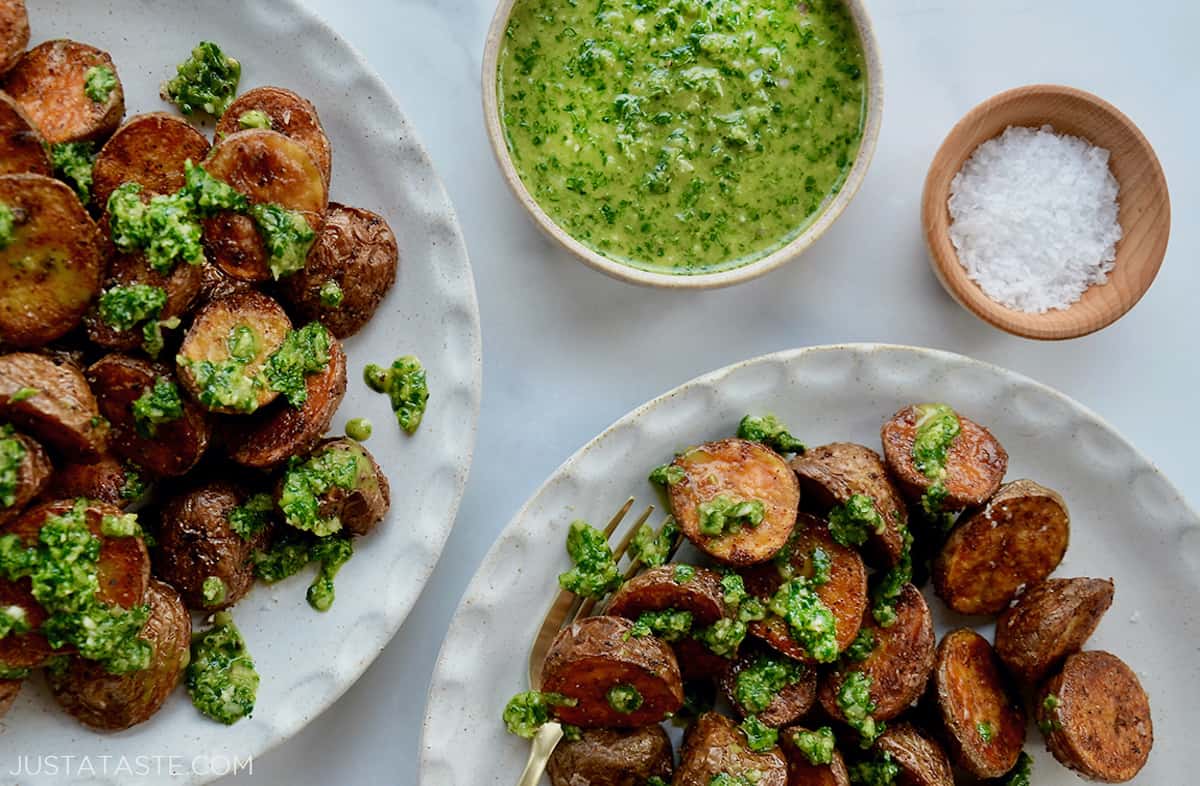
(590,604)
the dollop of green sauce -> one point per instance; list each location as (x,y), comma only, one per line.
(652,548)
(1021,773)
(331,294)
(851,522)
(303,352)
(854,700)
(332,553)
(810,622)
(768,430)
(683,573)
(164,229)
(667,624)
(306,481)
(667,475)
(527,712)
(255,118)
(225,383)
(98,83)
(985,731)
(73,162)
(359,429)
(252,517)
(13,620)
(208,195)
(725,515)
(62,570)
(757,685)
(159,404)
(206,82)
(747,778)
(595,573)
(682,136)
(723,637)
(7,225)
(220,677)
(12,456)
(286,235)
(124,307)
(863,645)
(124,525)
(817,746)
(759,736)
(880,771)
(625,699)
(214,591)
(937,428)
(406,387)
(890,583)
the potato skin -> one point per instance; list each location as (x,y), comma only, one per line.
(285,431)
(698,662)
(48,82)
(360,509)
(595,654)
(831,474)
(21,147)
(975,463)
(14,37)
(922,761)
(111,702)
(50,273)
(33,476)
(742,470)
(182,286)
(845,593)
(195,542)
(714,744)
(607,757)
(1101,726)
(149,150)
(208,338)
(291,115)
(1015,541)
(969,688)
(356,250)
(106,480)
(900,664)
(64,413)
(656,589)
(267,167)
(1050,621)
(802,772)
(123,572)
(789,705)
(177,446)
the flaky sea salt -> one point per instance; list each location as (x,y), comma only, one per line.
(1034,218)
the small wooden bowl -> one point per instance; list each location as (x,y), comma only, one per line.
(1145,206)
(828,215)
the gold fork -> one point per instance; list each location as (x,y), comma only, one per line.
(566,608)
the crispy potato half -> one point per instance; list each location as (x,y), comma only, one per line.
(149,150)
(109,480)
(921,760)
(714,744)
(289,114)
(267,167)
(790,704)
(61,412)
(657,589)
(182,286)
(736,470)
(50,271)
(1050,621)
(21,146)
(14,37)
(1013,542)
(802,772)
(608,757)
(50,83)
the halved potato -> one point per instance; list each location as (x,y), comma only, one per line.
(61,413)
(182,286)
(290,115)
(50,271)
(149,150)
(1050,621)
(714,745)
(21,146)
(109,480)
(921,760)
(606,757)
(49,83)
(14,37)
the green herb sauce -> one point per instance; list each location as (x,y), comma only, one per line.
(164,229)
(624,698)
(358,429)
(653,548)
(723,637)
(682,136)
(667,624)
(851,522)
(303,352)
(214,591)
(159,404)
(881,771)
(759,736)
(863,645)
(124,307)
(937,428)
(255,118)
(810,622)
(1021,773)
(286,236)
(757,685)
(23,394)
(683,574)
(332,553)
(768,430)
(595,573)
(306,481)
(890,583)
(854,700)
(220,676)
(72,162)
(99,82)
(667,475)
(331,294)
(985,731)
(206,82)
(406,387)
(12,456)
(816,746)
(527,712)
(7,225)
(725,515)
(251,518)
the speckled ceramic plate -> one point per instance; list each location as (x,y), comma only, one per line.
(1128,522)
(307,659)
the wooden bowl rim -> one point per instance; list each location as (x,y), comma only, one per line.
(944,258)
(824,220)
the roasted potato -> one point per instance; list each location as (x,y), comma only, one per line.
(1050,621)
(62,412)
(123,572)
(267,167)
(361,508)
(1096,717)
(215,285)
(111,702)
(657,589)
(355,257)
(33,474)
(595,656)
(14,37)
(983,724)
(149,150)
(215,327)
(899,664)
(697,661)
(283,431)
(175,446)
(736,470)
(802,772)
(790,704)
(921,760)
(50,271)
(21,147)
(49,82)
(182,286)
(715,745)
(290,115)
(845,594)
(108,480)
(832,474)
(196,542)
(1013,542)
(607,757)
(975,462)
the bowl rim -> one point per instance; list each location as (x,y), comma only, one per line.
(943,256)
(872,123)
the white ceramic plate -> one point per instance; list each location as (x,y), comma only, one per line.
(1128,522)
(306,659)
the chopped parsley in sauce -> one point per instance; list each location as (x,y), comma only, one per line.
(12,456)
(332,553)
(757,685)
(124,307)
(1021,773)
(286,236)
(307,481)
(890,583)
(303,352)
(206,82)
(653,548)
(759,736)
(683,574)
(164,229)
(667,475)
(358,429)
(854,700)
(851,522)
(667,624)
(527,712)
(985,731)
(225,383)
(810,622)
(251,517)
(768,430)
(331,294)
(937,428)
(881,771)
(682,136)
(625,699)
(406,387)
(159,404)
(595,573)
(255,118)
(72,162)
(724,515)
(863,645)
(7,222)
(723,637)
(817,746)
(214,591)
(99,82)
(220,676)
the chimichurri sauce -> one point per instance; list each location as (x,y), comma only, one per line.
(682,136)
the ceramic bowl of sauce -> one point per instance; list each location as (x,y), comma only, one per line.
(683,143)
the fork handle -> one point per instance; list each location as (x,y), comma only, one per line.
(544,743)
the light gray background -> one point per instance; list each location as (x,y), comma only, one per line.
(567,351)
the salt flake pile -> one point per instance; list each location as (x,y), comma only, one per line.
(1034,218)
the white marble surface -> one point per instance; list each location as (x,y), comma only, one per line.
(567,351)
